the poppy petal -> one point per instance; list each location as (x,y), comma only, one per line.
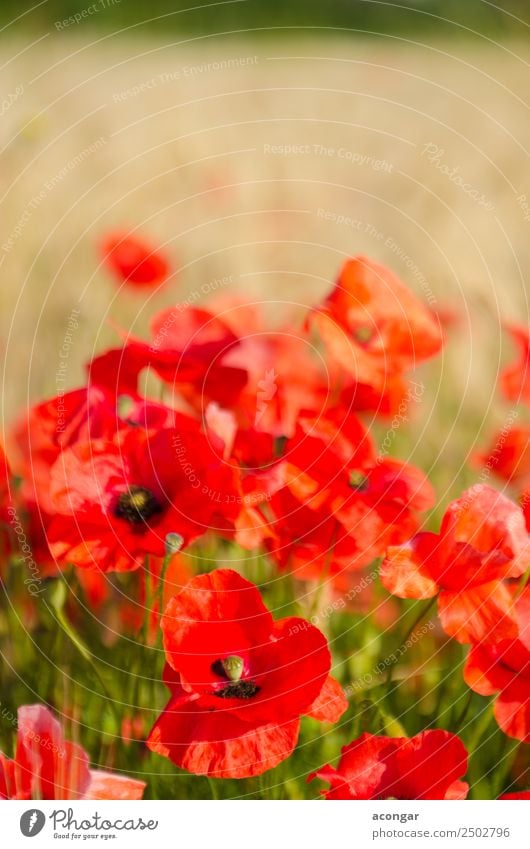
(108,785)
(481,613)
(404,571)
(330,703)
(220,744)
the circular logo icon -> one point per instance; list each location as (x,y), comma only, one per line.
(32,822)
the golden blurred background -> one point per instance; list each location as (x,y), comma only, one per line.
(259,166)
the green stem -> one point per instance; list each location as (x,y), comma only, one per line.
(423,612)
(323,577)
(213,788)
(85,652)
(505,765)
(463,713)
(421,615)
(481,727)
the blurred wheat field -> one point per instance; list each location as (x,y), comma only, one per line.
(260,166)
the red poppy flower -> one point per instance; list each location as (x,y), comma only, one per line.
(504,669)
(239,681)
(523,794)
(133,260)
(373,326)
(482,542)
(341,506)
(46,766)
(509,456)
(53,426)
(427,766)
(188,351)
(515,378)
(116,501)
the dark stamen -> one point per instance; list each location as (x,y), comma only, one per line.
(238,690)
(137,505)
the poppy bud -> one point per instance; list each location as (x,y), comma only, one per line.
(174,543)
(233,667)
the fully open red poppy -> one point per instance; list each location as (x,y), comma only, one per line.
(46,766)
(482,542)
(427,766)
(504,669)
(239,681)
(133,260)
(116,501)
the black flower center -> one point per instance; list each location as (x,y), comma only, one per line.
(358,481)
(231,669)
(137,505)
(238,690)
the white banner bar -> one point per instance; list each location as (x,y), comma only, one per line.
(265,824)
